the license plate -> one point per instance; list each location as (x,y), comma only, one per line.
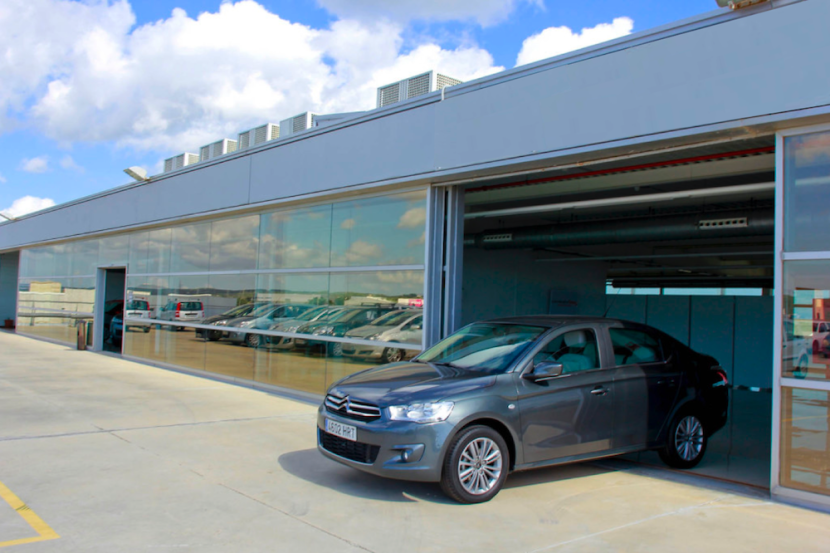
(345,431)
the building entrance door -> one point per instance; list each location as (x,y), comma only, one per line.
(109,327)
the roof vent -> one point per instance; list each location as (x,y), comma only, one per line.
(224,146)
(297,124)
(179,161)
(257,136)
(413,86)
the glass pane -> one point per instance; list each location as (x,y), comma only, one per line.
(185,303)
(806,334)
(298,238)
(234,243)
(150,251)
(806,192)
(114,251)
(37,262)
(805,440)
(146,340)
(62,259)
(50,308)
(84,257)
(190,249)
(379,231)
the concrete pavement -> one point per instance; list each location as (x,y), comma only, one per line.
(116,456)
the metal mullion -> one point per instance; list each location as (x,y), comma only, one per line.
(805,256)
(314,270)
(778,322)
(805,384)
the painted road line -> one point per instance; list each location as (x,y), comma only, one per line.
(37,524)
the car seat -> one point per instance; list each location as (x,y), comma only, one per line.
(581,355)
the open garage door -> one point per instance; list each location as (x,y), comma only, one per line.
(682,241)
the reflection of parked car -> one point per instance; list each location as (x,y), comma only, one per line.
(795,351)
(322,313)
(398,326)
(525,392)
(111,309)
(342,322)
(821,330)
(223,318)
(263,319)
(182,312)
(116,330)
(138,309)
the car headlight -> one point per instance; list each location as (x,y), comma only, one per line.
(221,323)
(246,324)
(374,336)
(324,330)
(422,412)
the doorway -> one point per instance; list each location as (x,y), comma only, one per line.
(108,333)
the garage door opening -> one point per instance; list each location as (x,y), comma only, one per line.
(683,246)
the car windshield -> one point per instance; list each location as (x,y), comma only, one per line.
(483,347)
(393,319)
(263,310)
(311,314)
(140,305)
(239,311)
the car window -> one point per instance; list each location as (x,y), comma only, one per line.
(576,350)
(634,346)
(191,306)
(416,322)
(138,305)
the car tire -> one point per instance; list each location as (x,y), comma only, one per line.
(214,335)
(146,329)
(686,440)
(253,340)
(392,355)
(470,451)
(801,368)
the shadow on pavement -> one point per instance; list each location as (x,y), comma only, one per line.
(311,466)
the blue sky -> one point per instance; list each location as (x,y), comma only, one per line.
(92,87)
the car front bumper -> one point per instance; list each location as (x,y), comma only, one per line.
(386,443)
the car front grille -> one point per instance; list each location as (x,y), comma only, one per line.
(352,408)
(354,451)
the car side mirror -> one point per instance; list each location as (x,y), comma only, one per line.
(545,371)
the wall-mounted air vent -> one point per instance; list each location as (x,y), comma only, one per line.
(738,222)
(224,146)
(413,87)
(491,238)
(297,124)
(179,161)
(258,135)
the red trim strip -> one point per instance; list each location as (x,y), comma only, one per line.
(683,161)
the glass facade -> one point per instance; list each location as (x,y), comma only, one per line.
(803,448)
(295,297)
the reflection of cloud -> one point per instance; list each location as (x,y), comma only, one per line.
(361,252)
(401,277)
(418,241)
(813,148)
(413,218)
(348,224)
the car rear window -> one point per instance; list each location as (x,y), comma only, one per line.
(190,306)
(138,305)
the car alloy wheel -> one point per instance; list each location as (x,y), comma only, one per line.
(480,466)
(392,355)
(686,442)
(476,465)
(336,349)
(688,438)
(253,340)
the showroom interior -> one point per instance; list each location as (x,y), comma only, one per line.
(655,200)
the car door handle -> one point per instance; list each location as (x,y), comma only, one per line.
(599,391)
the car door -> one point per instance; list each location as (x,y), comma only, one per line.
(647,379)
(571,414)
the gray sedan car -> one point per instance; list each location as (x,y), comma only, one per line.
(521,393)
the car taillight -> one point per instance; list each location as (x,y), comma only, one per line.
(724,380)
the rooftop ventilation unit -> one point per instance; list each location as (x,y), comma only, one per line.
(297,124)
(254,137)
(413,86)
(179,161)
(224,146)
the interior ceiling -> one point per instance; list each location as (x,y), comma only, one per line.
(742,261)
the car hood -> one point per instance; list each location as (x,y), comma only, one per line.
(410,382)
(216,318)
(238,320)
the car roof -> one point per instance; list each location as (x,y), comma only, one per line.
(558,320)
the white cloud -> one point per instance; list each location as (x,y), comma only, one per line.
(38,164)
(69,164)
(181,82)
(28,204)
(348,224)
(484,12)
(554,41)
(413,218)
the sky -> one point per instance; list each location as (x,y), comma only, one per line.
(91,87)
